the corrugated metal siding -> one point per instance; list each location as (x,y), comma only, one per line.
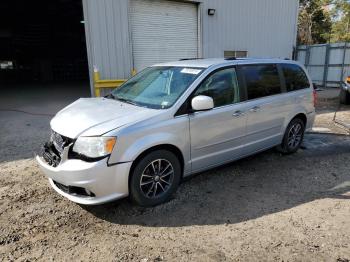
(265,28)
(107,31)
(324,72)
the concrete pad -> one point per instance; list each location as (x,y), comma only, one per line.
(25,114)
(40,98)
(321,130)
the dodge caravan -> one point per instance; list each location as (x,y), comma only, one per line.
(172,120)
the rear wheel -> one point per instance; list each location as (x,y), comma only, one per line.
(293,137)
(155,178)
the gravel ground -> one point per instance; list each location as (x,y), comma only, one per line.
(327,113)
(267,207)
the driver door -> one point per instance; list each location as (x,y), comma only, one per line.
(217,135)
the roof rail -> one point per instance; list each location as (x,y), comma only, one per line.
(184,59)
(231,58)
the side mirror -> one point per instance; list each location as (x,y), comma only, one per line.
(201,103)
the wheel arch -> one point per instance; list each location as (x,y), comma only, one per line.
(169,147)
(301,116)
(298,114)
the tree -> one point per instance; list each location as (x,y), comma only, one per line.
(341,21)
(314,23)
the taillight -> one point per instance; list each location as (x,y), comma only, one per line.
(348,80)
(314,97)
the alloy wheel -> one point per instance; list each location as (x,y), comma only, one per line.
(156,178)
(295,135)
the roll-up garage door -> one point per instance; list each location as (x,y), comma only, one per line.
(162,31)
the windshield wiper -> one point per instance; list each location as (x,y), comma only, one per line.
(119,99)
(125,100)
(110,96)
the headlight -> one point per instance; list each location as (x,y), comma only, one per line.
(94,146)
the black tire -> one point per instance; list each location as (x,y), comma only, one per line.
(287,146)
(148,173)
(344,97)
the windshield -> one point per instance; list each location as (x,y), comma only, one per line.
(157,87)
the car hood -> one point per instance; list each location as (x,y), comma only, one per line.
(96,116)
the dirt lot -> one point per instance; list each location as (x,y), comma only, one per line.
(266,207)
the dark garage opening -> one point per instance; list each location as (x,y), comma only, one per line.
(43,49)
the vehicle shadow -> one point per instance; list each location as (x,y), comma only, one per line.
(253,187)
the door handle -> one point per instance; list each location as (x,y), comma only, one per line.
(255,109)
(238,113)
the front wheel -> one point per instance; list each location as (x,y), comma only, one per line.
(293,137)
(155,178)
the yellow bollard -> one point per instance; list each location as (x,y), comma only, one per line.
(133,72)
(96,79)
(106,83)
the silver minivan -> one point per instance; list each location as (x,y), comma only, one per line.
(172,120)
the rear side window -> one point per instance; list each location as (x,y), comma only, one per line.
(295,77)
(261,80)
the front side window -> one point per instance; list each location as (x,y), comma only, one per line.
(157,87)
(295,77)
(222,86)
(261,80)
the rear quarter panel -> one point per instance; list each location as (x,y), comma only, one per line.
(301,102)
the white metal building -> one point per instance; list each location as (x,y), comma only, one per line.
(122,35)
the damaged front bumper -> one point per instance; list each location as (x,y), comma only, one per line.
(87,183)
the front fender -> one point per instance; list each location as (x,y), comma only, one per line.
(146,142)
(131,143)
